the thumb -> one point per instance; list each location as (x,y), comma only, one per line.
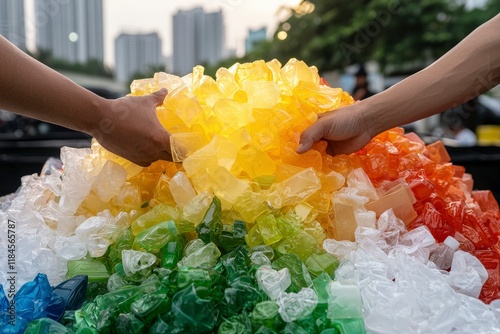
(159,96)
(311,135)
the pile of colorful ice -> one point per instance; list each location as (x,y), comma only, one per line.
(240,234)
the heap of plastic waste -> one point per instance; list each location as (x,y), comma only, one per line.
(240,234)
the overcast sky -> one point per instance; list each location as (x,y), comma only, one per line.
(132,16)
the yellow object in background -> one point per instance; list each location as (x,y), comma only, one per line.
(488,135)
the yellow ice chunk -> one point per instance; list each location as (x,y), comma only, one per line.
(233,136)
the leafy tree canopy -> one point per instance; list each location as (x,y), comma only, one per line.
(398,34)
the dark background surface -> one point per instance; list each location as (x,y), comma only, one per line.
(26,144)
(19,157)
(483,162)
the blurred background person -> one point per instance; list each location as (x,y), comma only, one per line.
(361,89)
(460,123)
(455,121)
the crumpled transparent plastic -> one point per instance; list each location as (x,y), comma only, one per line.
(135,261)
(273,282)
(467,274)
(204,257)
(296,306)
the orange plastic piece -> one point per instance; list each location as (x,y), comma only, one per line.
(486,200)
(491,261)
(459,171)
(399,201)
(434,220)
(438,153)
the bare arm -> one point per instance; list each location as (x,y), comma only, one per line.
(469,69)
(127,126)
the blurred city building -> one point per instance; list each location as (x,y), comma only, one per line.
(70,30)
(134,53)
(230,53)
(255,37)
(12,22)
(198,38)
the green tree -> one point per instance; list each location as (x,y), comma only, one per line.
(333,34)
(398,34)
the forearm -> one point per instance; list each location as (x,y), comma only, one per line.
(32,89)
(467,70)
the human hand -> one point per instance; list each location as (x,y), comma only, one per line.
(130,128)
(345,130)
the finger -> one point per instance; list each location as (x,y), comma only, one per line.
(164,155)
(142,163)
(325,113)
(330,149)
(159,96)
(311,135)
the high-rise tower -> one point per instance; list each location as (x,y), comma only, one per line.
(12,22)
(136,53)
(198,39)
(70,30)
